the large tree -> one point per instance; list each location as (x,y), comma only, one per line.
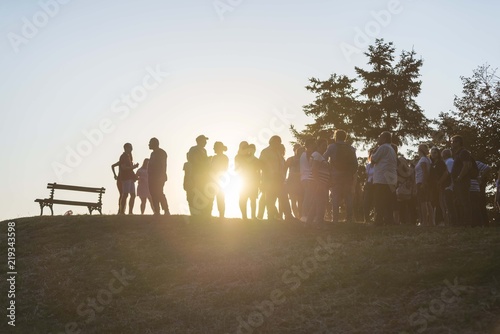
(476,116)
(386,100)
(389,92)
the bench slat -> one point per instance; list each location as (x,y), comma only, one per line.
(65,202)
(75,188)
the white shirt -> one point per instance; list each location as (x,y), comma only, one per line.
(305,168)
(385,163)
(449,166)
(424,162)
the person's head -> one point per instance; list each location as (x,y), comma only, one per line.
(296,148)
(219,147)
(127,147)
(275,141)
(457,142)
(321,145)
(423,150)
(282,149)
(252,149)
(201,140)
(145,163)
(384,138)
(310,144)
(154,143)
(446,154)
(370,152)
(339,136)
(242,148)
(435,153)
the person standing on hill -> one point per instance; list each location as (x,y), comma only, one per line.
(273,165)
(157,176)
(218,167)
(385,178)
(463,170)
(143,186)
(198,167)
(344,165)
(127,177)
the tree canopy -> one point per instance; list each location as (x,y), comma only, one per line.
(386,100)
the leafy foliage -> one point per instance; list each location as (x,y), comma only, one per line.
(386,100)
(477,115)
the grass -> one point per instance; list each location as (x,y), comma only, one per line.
(232,276)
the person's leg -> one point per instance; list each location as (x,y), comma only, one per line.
(131,203)
(348,194)
(262,204)
(379,203)
(336,198)
(450,207)
(119,185)
(221,203)
(143,204)
(462,193)
(162,199)
(153,191)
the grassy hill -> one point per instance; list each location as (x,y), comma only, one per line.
(141,274)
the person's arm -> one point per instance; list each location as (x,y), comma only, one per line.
(443,177)
(113,166)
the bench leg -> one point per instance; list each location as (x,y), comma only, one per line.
(41,208)
(51,211)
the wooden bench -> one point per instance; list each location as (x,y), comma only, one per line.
(51,201)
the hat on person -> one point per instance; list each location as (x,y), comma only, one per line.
(201,137)
(219,144)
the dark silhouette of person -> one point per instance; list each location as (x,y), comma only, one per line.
(344,165)
(157,176)
(385,178)
(118,183)
(272,164)
(198,167)
(247,165)
(218,167)
(127,177)
(293,184)
(143,186)
(461,176)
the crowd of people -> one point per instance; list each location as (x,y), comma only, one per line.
(321,182)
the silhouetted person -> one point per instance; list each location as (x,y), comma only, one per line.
(344,165)
(284,203)
(198,194)
(118,183)
(449,198)
(247,165)
(218,168)
(293,184)
(143,186)
(272,164)
(127,176)
(461,176)
(385,179)
(157,176)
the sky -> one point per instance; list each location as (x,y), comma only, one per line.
(82,78)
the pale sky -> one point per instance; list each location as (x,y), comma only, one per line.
(125,71)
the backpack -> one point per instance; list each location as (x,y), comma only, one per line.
(345,159)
